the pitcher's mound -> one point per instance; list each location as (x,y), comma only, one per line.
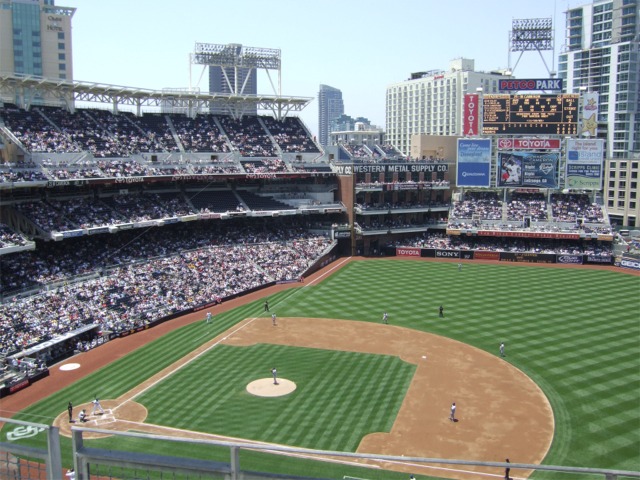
(265,387)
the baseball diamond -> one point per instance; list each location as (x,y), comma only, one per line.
(346,365)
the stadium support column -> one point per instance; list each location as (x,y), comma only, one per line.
(353,211)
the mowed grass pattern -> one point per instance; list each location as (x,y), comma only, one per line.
(576,332)
(339,396)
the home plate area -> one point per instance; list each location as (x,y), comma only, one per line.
(100,420)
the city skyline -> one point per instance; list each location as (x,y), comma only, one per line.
(359,51)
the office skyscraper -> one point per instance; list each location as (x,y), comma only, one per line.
(223,80)
(35,39)
(602,56)
(330,107)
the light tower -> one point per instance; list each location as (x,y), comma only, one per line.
(533,34)
(238,64)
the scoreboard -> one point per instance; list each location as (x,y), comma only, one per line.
(530,114)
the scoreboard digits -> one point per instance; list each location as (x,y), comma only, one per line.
(530,114)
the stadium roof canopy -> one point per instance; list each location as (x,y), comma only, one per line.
(25,90)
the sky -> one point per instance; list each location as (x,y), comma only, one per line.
(358,47)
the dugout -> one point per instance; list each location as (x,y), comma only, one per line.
(61,347)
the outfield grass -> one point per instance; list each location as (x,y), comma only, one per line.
(575,332)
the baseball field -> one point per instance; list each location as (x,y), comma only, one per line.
(567,392)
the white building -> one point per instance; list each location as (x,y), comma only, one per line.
(430,103)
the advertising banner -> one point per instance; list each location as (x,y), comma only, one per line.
(528,257)
(629,262)
(569,259)
(470,114)
(474,162)
(528,169)
(584,163)
(529,144)
(514,84)
(408,251)
(589,115)
(447,254)
(599,259)
(482,255)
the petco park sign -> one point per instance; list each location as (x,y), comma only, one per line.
(528,144)
(530,84)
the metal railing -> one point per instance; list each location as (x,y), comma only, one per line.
(18,462)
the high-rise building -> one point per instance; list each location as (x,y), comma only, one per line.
(330,107)
(35,39)
(602,55)
(236,80)
(430,103)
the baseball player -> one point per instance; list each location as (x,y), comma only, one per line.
(385,318)
(97,407)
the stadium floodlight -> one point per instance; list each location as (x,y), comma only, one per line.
(237,64)
(531,34)
(236,55)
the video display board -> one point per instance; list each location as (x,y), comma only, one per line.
(530,114)
(528,169)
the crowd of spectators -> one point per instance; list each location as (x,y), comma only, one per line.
(483,205)
(573,207)
(561,214)
(497,244)
(389,151)
(290,135)
(533,205)
(400,205)
(357,151)
(248,136)
(140,279)
(200,134)
(105,135)
(75,212)
(266,165)
(397,185)
(16,175)
(35,133)
(9,238)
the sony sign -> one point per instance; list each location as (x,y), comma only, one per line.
(447,254)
